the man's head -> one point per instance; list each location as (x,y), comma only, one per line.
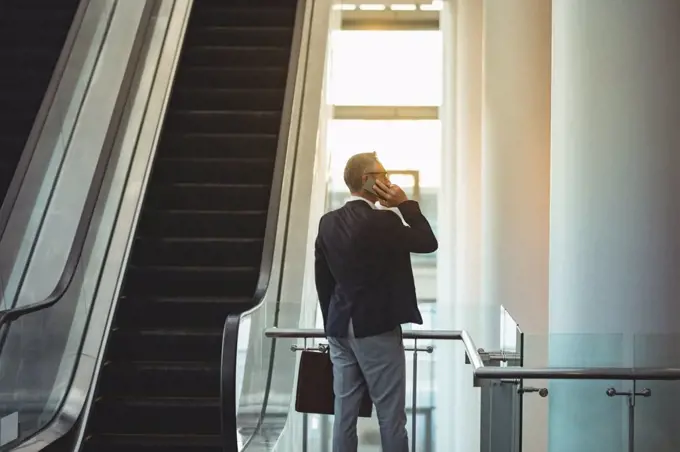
(359,169)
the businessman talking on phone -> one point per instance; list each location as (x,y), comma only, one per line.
(366,290)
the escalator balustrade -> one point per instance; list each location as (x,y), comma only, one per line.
(198,246)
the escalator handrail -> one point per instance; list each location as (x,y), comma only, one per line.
(229,353)
(228,407)
(86,216)
(69,270)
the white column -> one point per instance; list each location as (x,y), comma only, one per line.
(459,265)
(445,370)
(468,133)
(516,158)
(615,216)
(516,177)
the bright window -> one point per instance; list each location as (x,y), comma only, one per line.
(400,144)
(386,68)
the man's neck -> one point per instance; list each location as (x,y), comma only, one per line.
(364,196)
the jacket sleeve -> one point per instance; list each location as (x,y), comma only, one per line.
(325,283)
(417,237)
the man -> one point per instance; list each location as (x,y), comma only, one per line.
(365,285)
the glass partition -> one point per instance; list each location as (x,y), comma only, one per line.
(22,236)
(568,414)
(423,392)
(590,415)
(265,373)
(656,403)
(500,401)
(581,406)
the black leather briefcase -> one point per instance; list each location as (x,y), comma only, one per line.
(315,386)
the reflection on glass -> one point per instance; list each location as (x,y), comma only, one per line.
(509,332)
(3,303)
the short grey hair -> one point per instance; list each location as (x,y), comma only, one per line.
(356,167)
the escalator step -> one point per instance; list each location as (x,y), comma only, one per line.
(157,416)
(28,77)
(192,281)
(202,223)
(33,57)
(216,145)
(214,170)
(221,16)
(177,312)
(233,77)
(268,36)
(238,99)
(199,196)
(38,19)
(223,121)
(228,56)
(158,379)
(198,252)
(166,345)
(154,443)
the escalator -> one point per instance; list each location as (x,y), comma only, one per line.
(32,34)
(198,246)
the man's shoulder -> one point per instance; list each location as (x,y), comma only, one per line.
(358,211)
(337,212)
(327,216)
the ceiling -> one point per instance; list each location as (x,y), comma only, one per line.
(390,14)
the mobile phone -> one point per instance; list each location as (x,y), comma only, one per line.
(368,185)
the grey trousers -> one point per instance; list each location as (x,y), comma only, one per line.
(377,363)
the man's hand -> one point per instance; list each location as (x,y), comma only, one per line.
(390,196)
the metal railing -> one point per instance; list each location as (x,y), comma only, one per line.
(506,383)
(482,372)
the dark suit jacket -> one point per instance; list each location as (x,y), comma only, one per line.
(363,267)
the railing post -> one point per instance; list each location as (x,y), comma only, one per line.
(414,395)
(305,419)
(645,392)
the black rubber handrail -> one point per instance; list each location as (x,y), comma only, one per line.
(228,383)
(87,214)
(229,356)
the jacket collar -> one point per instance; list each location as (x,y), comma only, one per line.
(359,198)
(377,207)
